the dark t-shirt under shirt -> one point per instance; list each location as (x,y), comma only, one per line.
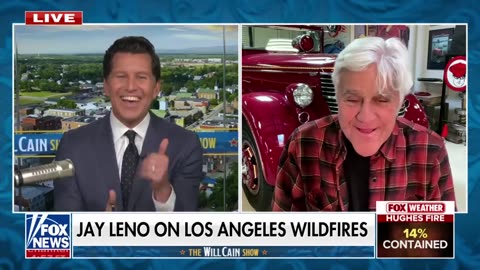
(357,171)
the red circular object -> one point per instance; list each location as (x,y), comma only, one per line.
(455,74)
(306,43)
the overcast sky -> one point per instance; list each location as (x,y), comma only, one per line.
(97,38)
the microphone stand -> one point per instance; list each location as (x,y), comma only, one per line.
(20,207)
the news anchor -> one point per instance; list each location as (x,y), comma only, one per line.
(130,160)
(366,153)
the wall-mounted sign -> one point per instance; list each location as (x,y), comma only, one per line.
(455,73)
(47,143)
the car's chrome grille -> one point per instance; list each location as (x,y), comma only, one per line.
(328,93)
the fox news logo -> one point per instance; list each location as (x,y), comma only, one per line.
(47,235)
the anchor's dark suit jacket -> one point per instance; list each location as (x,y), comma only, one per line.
(91,149)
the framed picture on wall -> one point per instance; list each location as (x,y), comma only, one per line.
(438,44)
(359,31)
(389,31)
(371,30)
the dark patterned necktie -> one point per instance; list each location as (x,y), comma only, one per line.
(129,167)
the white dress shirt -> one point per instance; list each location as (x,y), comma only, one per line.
(121,142)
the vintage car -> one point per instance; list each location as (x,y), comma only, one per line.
(285,83)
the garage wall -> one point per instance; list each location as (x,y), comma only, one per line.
(421,51)
(419,59)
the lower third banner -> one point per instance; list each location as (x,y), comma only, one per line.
(223,235)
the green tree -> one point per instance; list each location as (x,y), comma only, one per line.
(167,88)
(26,86)
(231,78)
(231,190)
(22,68)
(49,86)
(49,71)
(232,97)
(66,104)
(213,102)
(191,86)
(202,200)
(227,95)
(71,73)
(90,71)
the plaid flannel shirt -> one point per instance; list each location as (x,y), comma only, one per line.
(412,165)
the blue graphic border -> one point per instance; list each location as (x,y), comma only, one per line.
(263,252)
(286,11)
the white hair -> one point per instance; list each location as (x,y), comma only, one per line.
(390,56)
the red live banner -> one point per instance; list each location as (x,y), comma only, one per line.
(53,17)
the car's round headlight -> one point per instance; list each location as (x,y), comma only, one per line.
(303,95)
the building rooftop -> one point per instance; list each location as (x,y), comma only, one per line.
(159,113)
(183,95)
(206,90)
(184,113)
(82,119)
(49,117)
(65,110)
(193,99)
